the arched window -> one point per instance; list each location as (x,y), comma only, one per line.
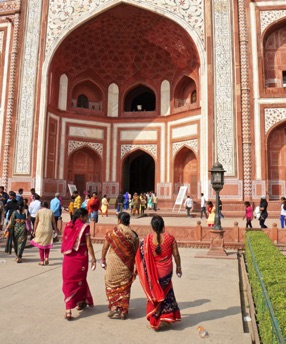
(185,92)
(82,101)
(275,56)
(140,98)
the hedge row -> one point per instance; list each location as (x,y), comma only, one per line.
(272,267)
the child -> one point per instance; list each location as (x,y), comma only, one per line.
(248,214)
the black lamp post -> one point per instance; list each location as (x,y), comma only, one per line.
(217,180)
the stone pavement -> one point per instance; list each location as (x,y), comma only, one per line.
(32,307)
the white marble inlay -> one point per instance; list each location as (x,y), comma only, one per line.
(273,116)
(184,131)
(63,14)
(23,154)
(271,16)
(138,135)
(223,61)
(86,132)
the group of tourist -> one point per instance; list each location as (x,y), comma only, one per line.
(34,219)
(260,212)
(91,203)
(138,203)
(123,258)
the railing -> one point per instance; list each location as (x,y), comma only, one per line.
(277,336)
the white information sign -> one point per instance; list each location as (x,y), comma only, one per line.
(181,196)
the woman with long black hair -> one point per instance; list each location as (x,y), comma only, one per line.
(75,246)
(120,246)
(17,231)
(155,269)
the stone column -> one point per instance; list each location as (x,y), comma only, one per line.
(245,101)
(11,98)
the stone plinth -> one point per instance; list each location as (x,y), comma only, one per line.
(217,243)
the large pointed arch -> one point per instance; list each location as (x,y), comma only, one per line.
(85,18)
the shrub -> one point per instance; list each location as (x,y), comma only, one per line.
(272,266)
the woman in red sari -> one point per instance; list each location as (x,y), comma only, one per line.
(121,243)
(75,247)
(155,269)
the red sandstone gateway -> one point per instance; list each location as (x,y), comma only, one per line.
(138,97)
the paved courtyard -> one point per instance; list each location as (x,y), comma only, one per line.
(32,307)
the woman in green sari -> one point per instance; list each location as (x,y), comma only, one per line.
(17,232)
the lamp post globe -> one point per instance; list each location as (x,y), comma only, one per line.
(217,180)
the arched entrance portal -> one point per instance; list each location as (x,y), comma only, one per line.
(138,172)
(84,169)
(277,162)
(186,171)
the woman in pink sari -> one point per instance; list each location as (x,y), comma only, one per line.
(75,247)
(155,269)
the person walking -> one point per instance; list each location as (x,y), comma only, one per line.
(220,208)
(93,207)
(17,232)
(155,201)
(188,205)
(211,212)
(56,207)
(75,246)
(283,213)
(120,246)
(248,214)
(119,203)
(34,207)
(203,206)
(45,226)
(19,196)
(104,206)
(155,269)
(77,200)
(264,214)
(11,205)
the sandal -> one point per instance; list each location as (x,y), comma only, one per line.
(81,306)
(112,313)
(41,263)
(46,262)
(68,315)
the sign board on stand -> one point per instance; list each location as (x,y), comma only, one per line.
(181,196)
(72,188)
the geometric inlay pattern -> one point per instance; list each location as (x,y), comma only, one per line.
(97,147)
(63,14)
(111,48)
(273,116)
(193,144)
(269,17)
(152,149)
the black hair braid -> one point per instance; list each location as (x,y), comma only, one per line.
(158,249)
(158,225)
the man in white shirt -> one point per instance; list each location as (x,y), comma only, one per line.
(203,206)
(188,205)
(34,207)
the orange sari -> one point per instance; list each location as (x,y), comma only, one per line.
(155,273)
